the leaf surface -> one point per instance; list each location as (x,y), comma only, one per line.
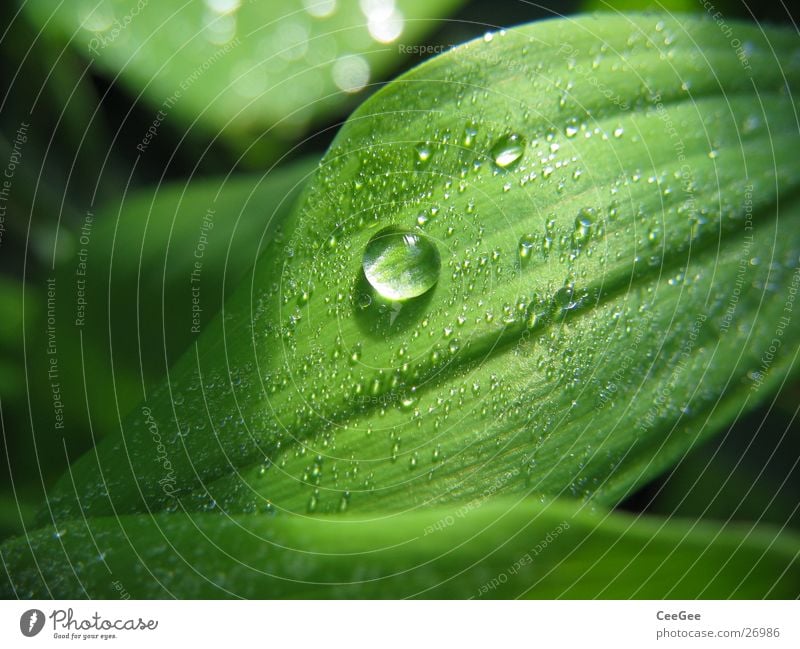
(482,549)
(613,201)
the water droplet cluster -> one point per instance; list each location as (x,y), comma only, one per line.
(463,295)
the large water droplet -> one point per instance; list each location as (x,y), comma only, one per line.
(400,264)
(508,150)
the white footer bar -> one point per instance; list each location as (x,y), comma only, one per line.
(386,625)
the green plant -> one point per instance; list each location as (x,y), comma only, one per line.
(253,73)
(605,209)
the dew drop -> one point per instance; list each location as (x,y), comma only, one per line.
(408,402)
(304,296)
(563,298)
(400,264)
(424,152)
(469,134)
(583,224)
(526,244)
(508,150)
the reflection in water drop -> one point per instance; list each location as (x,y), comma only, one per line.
(526,244)
(470,131)
(583,224)
(508,150)
(400,264)
(424,152)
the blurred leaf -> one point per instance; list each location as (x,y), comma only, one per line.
(122,304)
(166,256)
(49,99)
(15,448)
(481,550)
(15,512)
(579,339)
(243,67)
(12,310)
(750,473)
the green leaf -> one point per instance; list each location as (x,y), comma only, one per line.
(242,67)
(479,550)
(148,272)
(747,474)
(613,201)
(166,256)
(15,510)
(50,126)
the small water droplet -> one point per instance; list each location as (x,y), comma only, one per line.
(408,402)
(564,298)
(526,244)
(304,296)
(424,152)
(508,150)
(469,134)
(583,224)
(400,264)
